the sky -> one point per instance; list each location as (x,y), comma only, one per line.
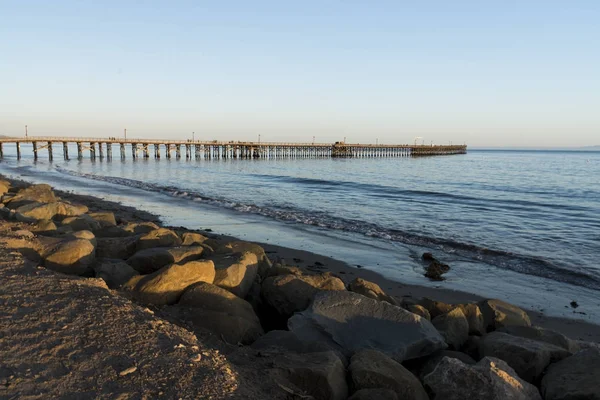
(504,73)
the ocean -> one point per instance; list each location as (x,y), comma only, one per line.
(523,226)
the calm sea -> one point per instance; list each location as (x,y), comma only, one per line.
(522,225)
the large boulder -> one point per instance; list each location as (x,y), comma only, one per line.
(526,356)
(37,211)
(426,365)
(151,260)
(489,379)
(574,378)
(453,326)
(113,232)
(285,341)
(370,289)
(119,247)
(371,369)
(498,313)
(419,310)
(73,257)
(40,193)
(236,272)
(354,322)
(160,237)
(542,335)
(114,272)
(436,308)
(320,375)
(4,187)
(44,226)
(80,223)
(105,218)
(241,247)
(221,312)
(474,318)
(193,239)
(140,228)
(166,285)
(290,293)
(374,394)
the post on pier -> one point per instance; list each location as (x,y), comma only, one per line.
(178,151)
(145,149)
(122,146)
(79,150)
(134,150)
(100,151)
(35,154)
(157,151)
(188,151)
(50,157)
(92,150)
(109,151)
(168,150)
(65,150)
(18,150)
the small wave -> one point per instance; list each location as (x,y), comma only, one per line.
(524,264)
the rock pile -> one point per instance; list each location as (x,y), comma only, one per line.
(327,339)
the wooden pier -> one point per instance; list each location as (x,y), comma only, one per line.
(145,148)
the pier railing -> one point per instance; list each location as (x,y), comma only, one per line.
(217,149)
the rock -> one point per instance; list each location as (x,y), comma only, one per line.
(374,394)
(425,366)
(4,186)
(435,270)
(121,248)
(474,319)
(73,257)
(574,378)
(166,285)
(370,289)
(44,226)
(436,308)
(114,272)
(140,228)
(41,193)
(151,260)
(44,211)
(489,379)
(286,341)
(287,294)
(320,375)
(542,335)
(419,310)
(428,257)
(354,322)
(497,314)
(240,247)
(105,219)
(192,239)
(221,312)
(113,232)
(453,326)
(526,356)
(87,235)
(80,223)
(236,272)
(279,269)
(371,369)
(471,347)
(161,237)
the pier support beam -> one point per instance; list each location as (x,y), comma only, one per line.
(134,150)
(79,150)
(178,151)
(35,154)
(65,150)
(100,151)
(93,151)
(109,150)
(18,150)
(122,146)
(157,151)
(50,156)
(145,149)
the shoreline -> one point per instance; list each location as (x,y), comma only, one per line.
(312,262)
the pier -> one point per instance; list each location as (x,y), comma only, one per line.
(197,149)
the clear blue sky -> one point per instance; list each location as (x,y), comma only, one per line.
(512,73)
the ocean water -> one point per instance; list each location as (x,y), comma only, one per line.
(519,225)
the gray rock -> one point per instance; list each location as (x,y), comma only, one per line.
(286,341)
(287,294)
(574,378)
(374,394)
(320,375)
(453,326)
(526,356)
(489,379)
(370,289)
(355,322)
(161,237)
(41,193)
(119,247)
(221,312)
(166,285)
(371,369)
(497,314)
(236,272)
(151,260)
(429,363)
(114,272)
(471,347)
(542,335)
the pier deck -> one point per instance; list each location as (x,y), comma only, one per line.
(198,149)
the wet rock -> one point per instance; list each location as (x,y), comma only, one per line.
(574,378)
(121,248)
(287,294)
(320,375)
(114,272)
(73,257)
(41,193)
(428,257)
(489,379)
(371,290)
(526,356)
(542,335)
(45,211)
(371,369)
(354,322)
(151,260)
(419,310)
(236,272)
(435,270)
(166,285)
(497,314)
(221,312)
(453,326)
(161,237)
